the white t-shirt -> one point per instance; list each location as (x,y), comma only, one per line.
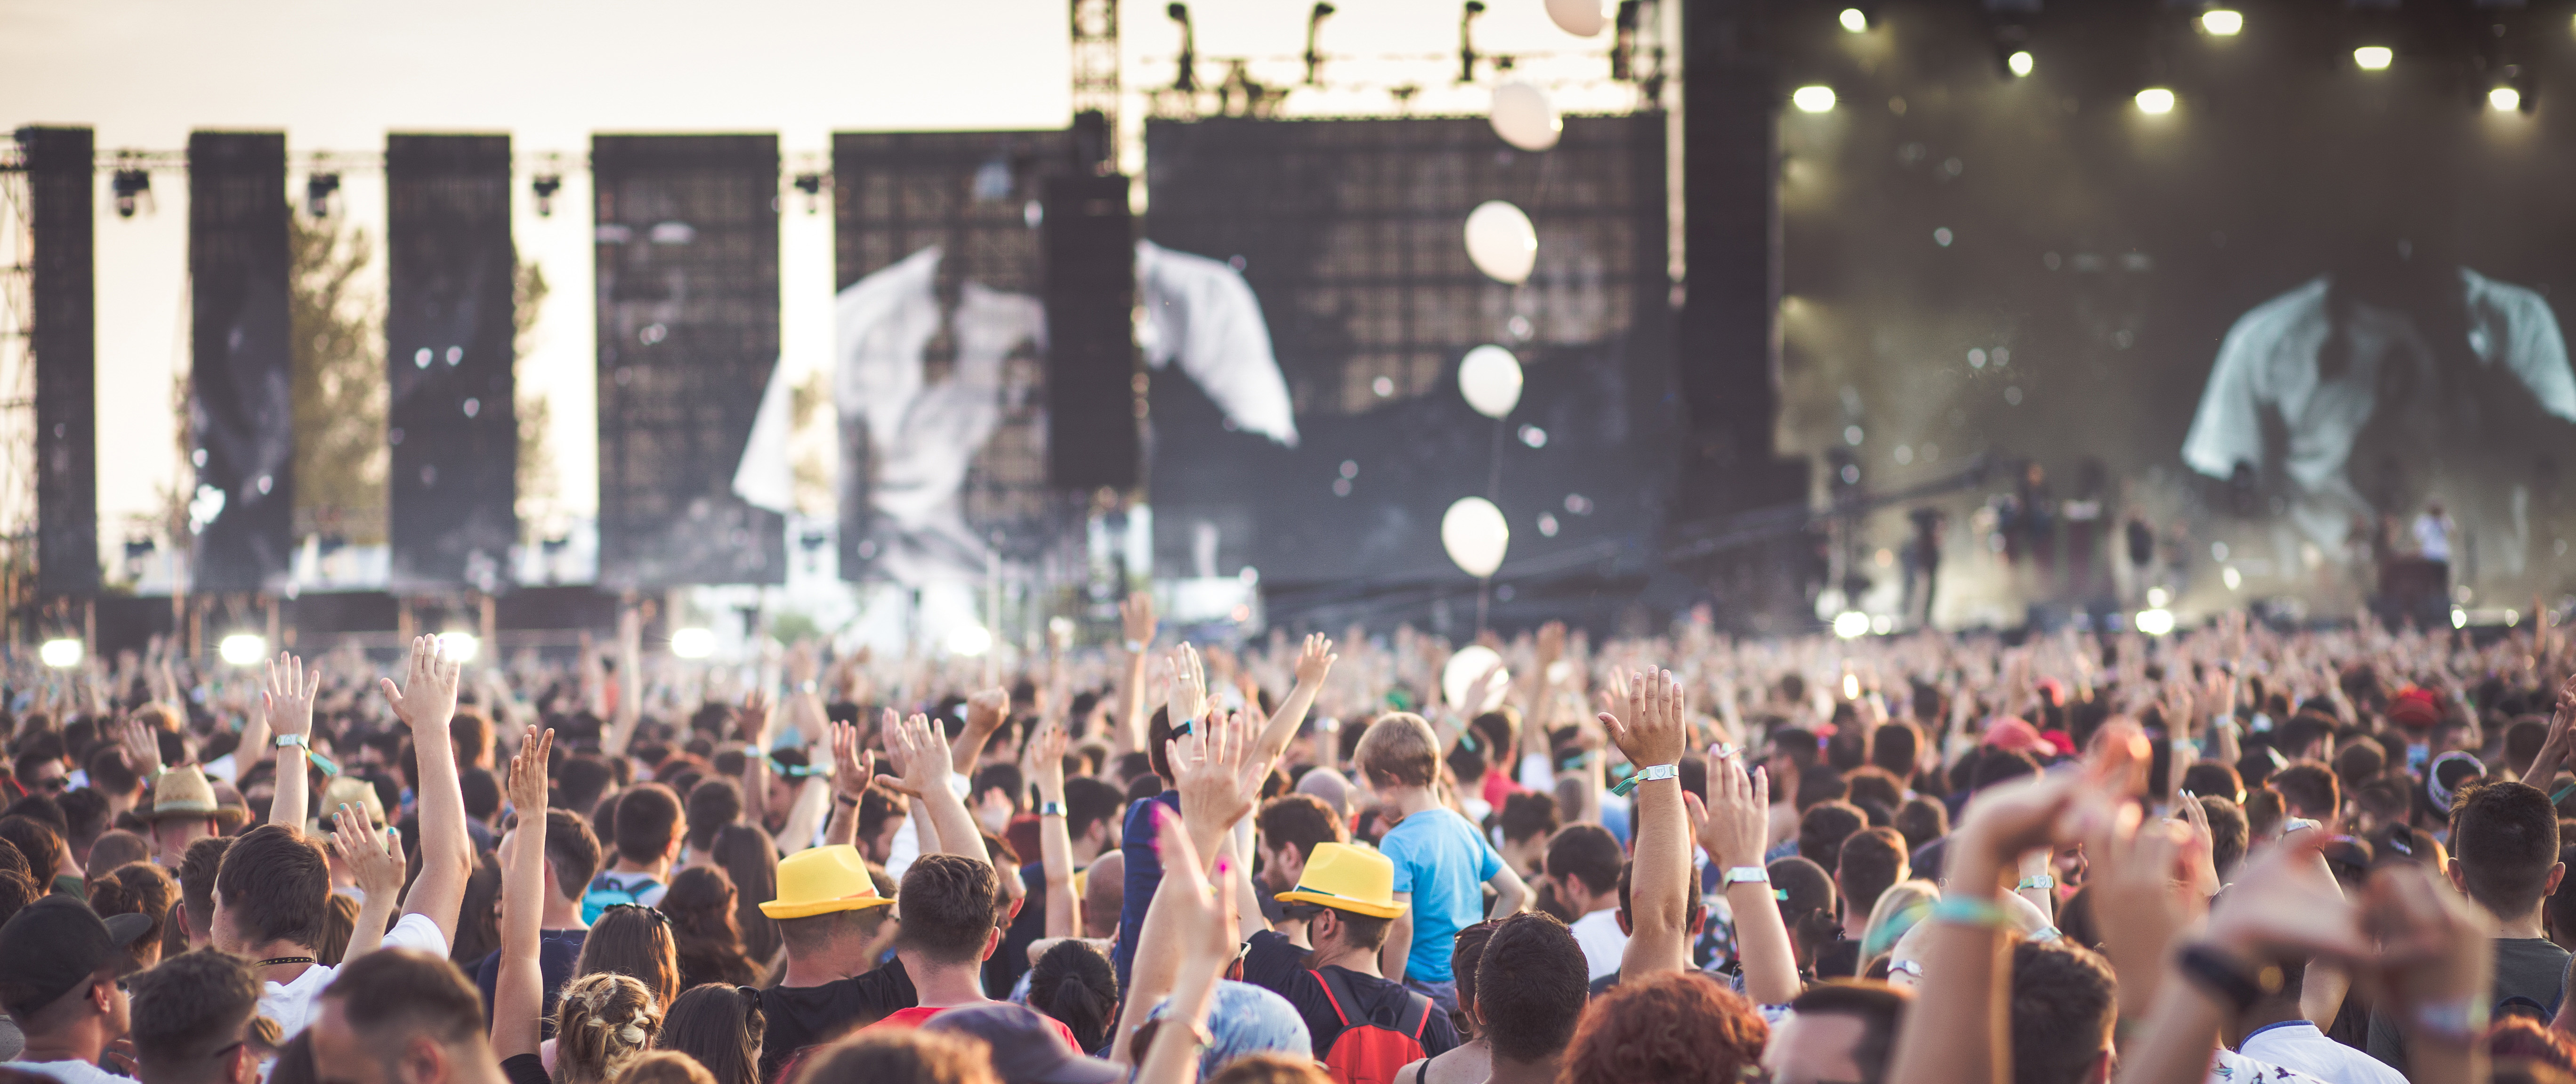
(2297,1044)
(2229,1067)
(69,1072)
(1602,942)
(294,1004)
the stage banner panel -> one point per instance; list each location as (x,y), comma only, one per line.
(1351,234)
(241,406)
(448,359)
(1090,236)
(940,373)
(61,188)
(687,258)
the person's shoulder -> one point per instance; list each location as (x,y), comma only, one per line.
(417,932)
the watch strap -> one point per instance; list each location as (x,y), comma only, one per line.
(2219,976)
(1051,809)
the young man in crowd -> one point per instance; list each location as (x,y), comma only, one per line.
(1344,900)
(181,812)
(1530,992)
(1840,1031)
(1871,862)
(2309,792)
(647,828)
(1287,831)
(1442,863)
(402,1017)
(62,980)
(572,857)
(1583,864)
(191,1020)
(196,872)
(2504,856)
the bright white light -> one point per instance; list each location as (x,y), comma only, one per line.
(60,654)
(1855,21)
(2222,22)
(1881,624)
(2373,58)
(2020,62)
(1813,99)
(1851,624)
(2459,618)
(1851,686)
(459,646)
(2231,577)
(2157,597)
(970,640)
(2157,622)
(2504,99)
(2155,101)
(693,643)
(243,649)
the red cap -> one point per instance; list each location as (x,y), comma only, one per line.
(2013,735)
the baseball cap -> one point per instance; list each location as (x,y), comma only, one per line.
(1026,1048)
(55,944)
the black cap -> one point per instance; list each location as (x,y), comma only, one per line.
(57,943)
(1027,1048)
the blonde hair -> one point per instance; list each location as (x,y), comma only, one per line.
(665,1067)
(1399,748)
(603,1022)
(1898,909)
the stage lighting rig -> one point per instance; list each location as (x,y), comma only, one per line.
(1467,40)
(317,193)
(812,185)
(2222,22)
(2009,23)
(130,185)
(1187,82)
(1314,57)
(545,186)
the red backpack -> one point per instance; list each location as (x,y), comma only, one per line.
(1367,1052)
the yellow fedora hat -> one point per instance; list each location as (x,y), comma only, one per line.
(822,880)
(1345,878)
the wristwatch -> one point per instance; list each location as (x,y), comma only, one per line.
(1051,809)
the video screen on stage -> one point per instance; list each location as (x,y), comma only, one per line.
(2277,328)
(1308,300)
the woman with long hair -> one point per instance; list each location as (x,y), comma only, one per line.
(633,940)
(701,905)
(751,861)
(721,1026)
(1074,984)
(603,1022)
(478,919)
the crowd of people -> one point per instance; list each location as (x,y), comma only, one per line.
(2231,855)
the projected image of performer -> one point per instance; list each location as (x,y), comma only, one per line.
(2367,390)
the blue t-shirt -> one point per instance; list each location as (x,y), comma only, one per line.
(1140,841)
(1444,862)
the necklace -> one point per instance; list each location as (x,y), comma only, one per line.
(284,960)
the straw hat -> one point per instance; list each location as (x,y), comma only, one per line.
(353,792)
(1345,878)
(821,880)
(182,792)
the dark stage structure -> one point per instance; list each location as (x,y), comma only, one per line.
(65,340)
(240,407)
(453,425)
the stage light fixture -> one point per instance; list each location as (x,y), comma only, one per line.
(2155,101)
(2504,99)
(130,185)
(1851,624)
(1315,58)
(460,647)
(1855,20)
(2374,58)
(317,193)
(1467,40)
(2222,22)
(1187,80)
(2156,622)
(971,641)
(545,186)
(1813,99)
(61,654)
(2020,63)
(243,648)
(812,185)
(693,643)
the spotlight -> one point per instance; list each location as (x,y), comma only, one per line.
(1851,624)
(2504,99)
(2374,58)
(693,643)
(60,654)
(1813,99)
(129,185)
(1187,81)
(971,641)
(2157,622)
(2222,22)
(317,193)
(460,647)
(812,185)
(545,186)
(1855,20)
(243,648)
(1314,59)
(2019,63)
(2155,101)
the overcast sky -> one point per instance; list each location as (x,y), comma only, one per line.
(339,75)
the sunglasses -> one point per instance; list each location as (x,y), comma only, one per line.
(54,783)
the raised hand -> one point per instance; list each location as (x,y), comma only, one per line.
(528,775)
(986,709)
(2433,942)
(1136,621)
(1657,727)
(1484,692)
(142,746)
(1045,761)
(752,718)
(1315,660)
(1734,824)
(2285,902)
(287,700)
(801,665)
(924,755)
(427,697)
(1189,686)
(1214,773)
(852,766)
(2200,850)
(377,861)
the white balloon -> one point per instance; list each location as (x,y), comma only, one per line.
(1465,666)
(1490,378)
(1524,116)
(1501,242)
(1581,18)
(1475,534)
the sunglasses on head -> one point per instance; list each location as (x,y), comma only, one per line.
(658,916)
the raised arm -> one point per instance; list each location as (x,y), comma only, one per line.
(1183,922)
(1655,733)
(852,768)
(287,705)
(1214,771)
(378,866)
(1201,925)
(926,771)
(519,993)
(1045,769)
(1136,620)
(755,719)
(984,714)
(426,701)
(1734,824)
(1314,663)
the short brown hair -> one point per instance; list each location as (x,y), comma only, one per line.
(2308,789)
(197,880)
(1677,1026)
(713,804)
(1871,860)
(471,734)
(815,933)
(648,819)
(573,850)
(402,992)
(136,888)
(278,881)
(1401,748)
(666,1067)
(1531,987)
(1300,821)
(1588,853)
(189,1007)
(910,1056)
(948,903)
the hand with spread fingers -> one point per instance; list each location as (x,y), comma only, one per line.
(1136,619)
(1044,761)
(752,720)
(142,745)
(1315,659)
(852,766)
(1734,824)
(377,862)
(1656,729)
(427,697)
(1213,772)
(1189,696)
(287,700)
(527,779)
(924,754)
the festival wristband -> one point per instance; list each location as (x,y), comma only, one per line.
(2040,881)
(1051,809)
(2453,1023)
(1651,772)
(1747,875)
(1964,911)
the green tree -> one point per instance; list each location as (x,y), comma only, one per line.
(340,387)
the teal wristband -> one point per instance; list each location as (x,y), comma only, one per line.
(1650,772)
(1964,911)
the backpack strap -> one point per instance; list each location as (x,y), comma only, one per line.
(1417,1008)
(1333,993)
